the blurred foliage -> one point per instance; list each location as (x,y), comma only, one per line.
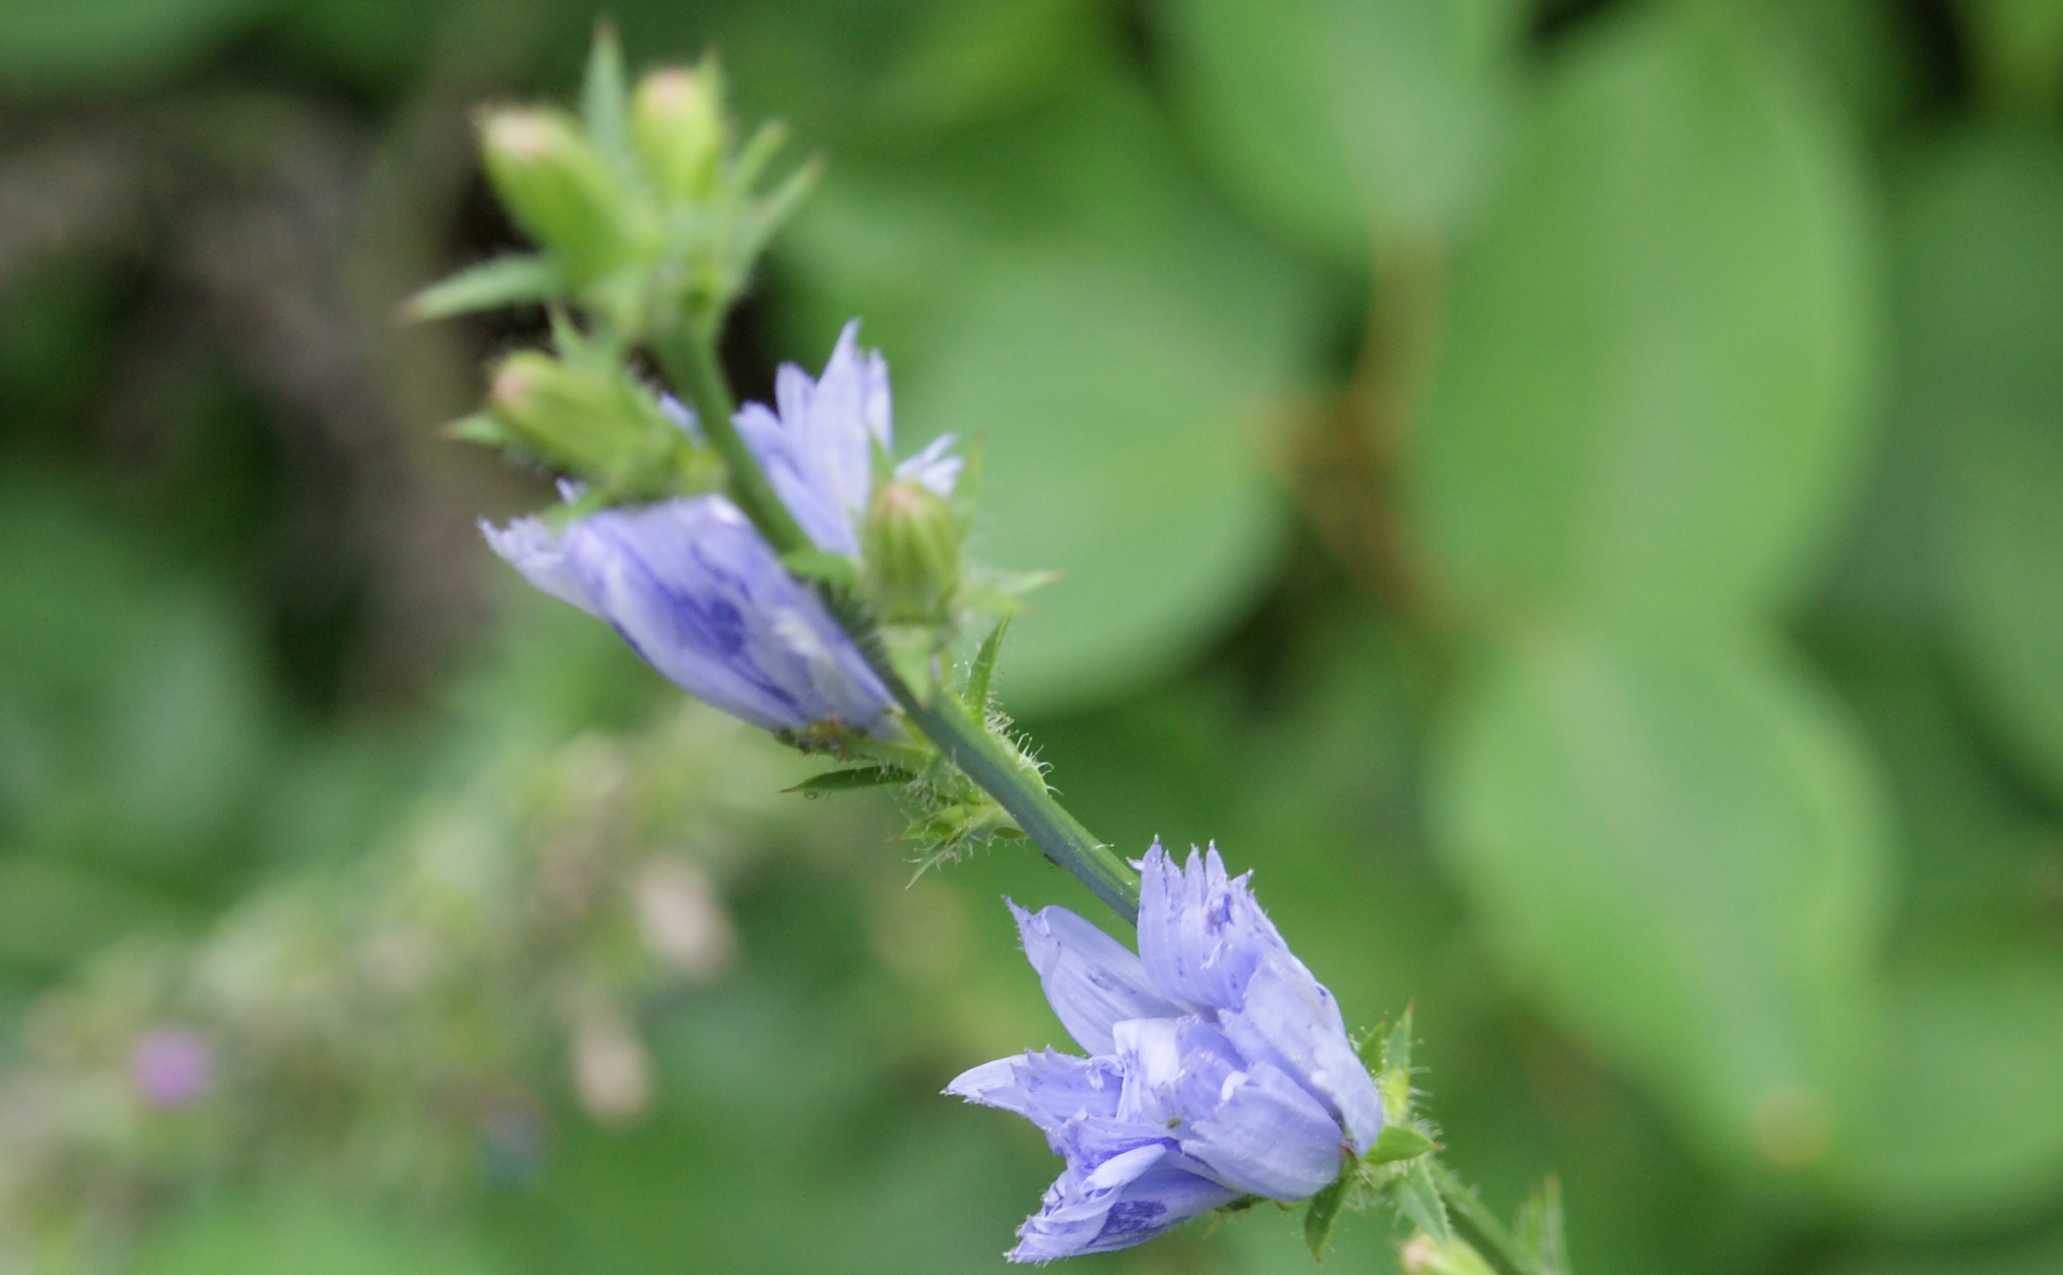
(1566,490)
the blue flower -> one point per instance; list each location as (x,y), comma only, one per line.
(693,588)
(1217,1068)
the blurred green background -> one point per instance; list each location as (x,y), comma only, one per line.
(1569,492)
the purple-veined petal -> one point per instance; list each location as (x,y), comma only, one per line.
(691,586)
(1092,981)
(1126,1201)
(1201,935)
(1047,1088)
(1267,1137)
(1292,1022)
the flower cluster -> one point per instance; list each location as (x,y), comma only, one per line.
(695,589)
(1218,1066)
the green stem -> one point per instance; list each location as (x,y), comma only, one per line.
(995,766)
(690,362)
(689,359)
(1491,1232)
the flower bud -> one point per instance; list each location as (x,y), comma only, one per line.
(676,121)
(1423,1255)
(911,544)
(562,192)
(589,423)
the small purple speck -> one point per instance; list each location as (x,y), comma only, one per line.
(172,1067)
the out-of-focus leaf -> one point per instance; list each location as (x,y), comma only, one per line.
(308,1236)
(2019,49)
(1649,396)
(605,100)
(65,44)
(1680,849)
(1347,123)
(1542,1230)
(2038,1255)
(1858,52)
(889,72)
(135,707)
(1979,304)
(1066,292)
(512,280)
(1957,1121)
(54,912)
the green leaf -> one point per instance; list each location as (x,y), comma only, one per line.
(1323,1216)
(1541,1230)
(1396,1045)
(850,780)
(480,428)
(518,279)
(1680,848)
(2018,46)
(1346,122)
(309,1232)
(1399,1141)
(1955,1123)
(822,567)
(605,101)
(59,44)
(982,673)
(1417,1197)
(1648,397)
(1979,301)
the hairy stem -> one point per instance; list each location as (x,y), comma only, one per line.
(689,359)
(1477,1217)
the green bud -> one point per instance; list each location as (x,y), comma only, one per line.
(911,546)
(677,124)
(562,192)
(1424,1255)
(592,423)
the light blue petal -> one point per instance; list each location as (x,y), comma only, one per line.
(1292,1022)
(1267,1137)
(1201,935)
(682,415)
(1091,980)
(691,586)
(935,467)
(1049,1089)
(796,473)
(540,554)
(1126,1201)
(1174,1069)
(817,445)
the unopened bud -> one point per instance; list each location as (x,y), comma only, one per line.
(561,191)
(912,550)
(677,125)
(588,422)
(1423,1255)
